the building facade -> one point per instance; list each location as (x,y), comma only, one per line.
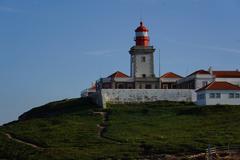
(169,80)
(196,80)
(232,77)
(89,91)
(201,78)
(117,80)
(218,93)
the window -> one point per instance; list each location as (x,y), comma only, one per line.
(237,95)
(144,75)
(130,86)
(215,95)
(143,59)
(148,86)
(218,95)
(231,95)
(165,86)
(120,86)
(212,95)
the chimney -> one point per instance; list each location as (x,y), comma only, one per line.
(210,70)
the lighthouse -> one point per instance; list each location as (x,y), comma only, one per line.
(142,60)
(141,33)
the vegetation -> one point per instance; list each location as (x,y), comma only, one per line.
(68,130)
(175,128)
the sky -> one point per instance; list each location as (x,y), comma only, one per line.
(52,49)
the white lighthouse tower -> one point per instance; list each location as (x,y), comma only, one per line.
(142,60)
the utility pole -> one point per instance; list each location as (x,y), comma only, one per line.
(159,70)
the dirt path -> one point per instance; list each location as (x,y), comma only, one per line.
(102,128)
(21,141)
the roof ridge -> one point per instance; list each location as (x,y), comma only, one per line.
(220,85)
(116,73)
(168,73)
(210,84)
(199,72)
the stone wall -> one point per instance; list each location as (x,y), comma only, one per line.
(144,95)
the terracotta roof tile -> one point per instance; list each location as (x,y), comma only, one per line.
(199,72)
(170,75)
(93,87)
(118,74)
(226,74)
(220,86)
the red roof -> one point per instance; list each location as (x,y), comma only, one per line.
(220,86)
(226,74)
(141,28)
(93,87)
(170,75)
(118,74)
(199,72)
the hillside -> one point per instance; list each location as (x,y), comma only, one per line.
(69,129)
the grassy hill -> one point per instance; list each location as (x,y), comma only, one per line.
(68,130)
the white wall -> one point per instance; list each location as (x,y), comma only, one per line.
(144,67)
(224,100)
(145,95)
(235,81)
(199,82)
(169,79)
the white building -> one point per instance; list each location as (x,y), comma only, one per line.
(227,76)
(169,80)
(201,78)
(89,91)
(117,80)
(196,80)
(222,93)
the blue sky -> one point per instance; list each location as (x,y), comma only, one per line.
(52,49)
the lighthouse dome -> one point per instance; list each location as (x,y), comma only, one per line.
(141,28)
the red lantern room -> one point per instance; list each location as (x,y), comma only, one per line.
(142,38)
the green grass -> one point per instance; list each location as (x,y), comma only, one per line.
(67,130)
(169,128)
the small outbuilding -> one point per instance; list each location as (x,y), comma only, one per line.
(89,91)
(169,80)
(222,93)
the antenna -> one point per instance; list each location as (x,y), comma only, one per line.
(141,18)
